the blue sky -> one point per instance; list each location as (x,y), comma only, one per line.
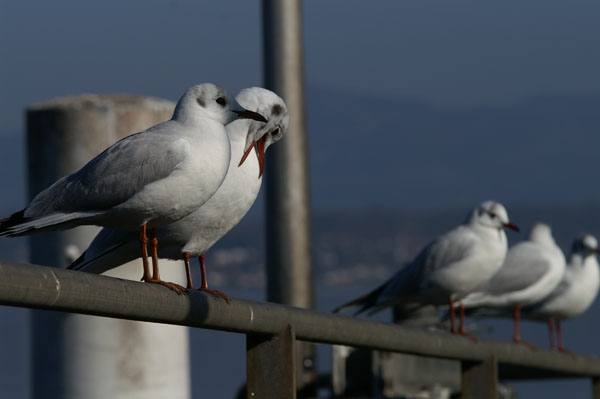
(446,53)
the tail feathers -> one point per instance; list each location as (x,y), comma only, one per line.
(366,301)
(490,312)
(482,313)
(77,262)
(403,307)
(17,224)
(100,262)
(477,299)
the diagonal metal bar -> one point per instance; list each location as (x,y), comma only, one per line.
(64,290)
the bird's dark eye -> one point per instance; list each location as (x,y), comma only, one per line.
(492,215)
(221,101)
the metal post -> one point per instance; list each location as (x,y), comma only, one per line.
(595,388)
(84,356)
(271,365)
(480,379)
(289,256)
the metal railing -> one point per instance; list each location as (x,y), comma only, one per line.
(272,330)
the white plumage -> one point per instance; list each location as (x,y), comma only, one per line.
(450,267)
(197,232)
(532,270)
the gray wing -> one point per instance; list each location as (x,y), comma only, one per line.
(537,309)
(524,265)
(450,248)
(113,176)
(406,284)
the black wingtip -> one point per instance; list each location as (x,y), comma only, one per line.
(13,220)
(77,262)
(365,301)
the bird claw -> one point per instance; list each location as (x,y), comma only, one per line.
(466,335)
(566,351)
(179,290)
(527,344)
(216,293)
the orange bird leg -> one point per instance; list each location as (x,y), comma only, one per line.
(517,317)
(559,335)
(154,252)
(517,334)
(561,344)
(462,331)
(144,243)
(453,329)
(155,274)
(188,271)
(204,285)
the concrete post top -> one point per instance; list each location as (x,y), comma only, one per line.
(91,101)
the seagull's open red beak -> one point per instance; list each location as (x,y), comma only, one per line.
(511,226)
(259,147)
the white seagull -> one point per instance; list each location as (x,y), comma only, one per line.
(196,233)
(447,269)
(575,293)
(532,270)
(146,180)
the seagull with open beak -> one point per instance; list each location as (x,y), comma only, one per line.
(193,235)
(146,180)
(261,136)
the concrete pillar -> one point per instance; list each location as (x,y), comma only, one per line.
(77,356)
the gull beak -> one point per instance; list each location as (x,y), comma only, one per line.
(245,114)
(262,131)
(511,226)
(259,147)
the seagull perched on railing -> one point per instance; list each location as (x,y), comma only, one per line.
(447,269)
(146,180)
(532,270)
(196,233)
(574,294)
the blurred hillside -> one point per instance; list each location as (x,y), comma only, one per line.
(397,154)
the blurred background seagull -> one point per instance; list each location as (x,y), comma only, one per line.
(449,268)
(574,294)
(532,270)
(196,233)
(145,180)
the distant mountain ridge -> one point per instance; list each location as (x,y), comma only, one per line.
(383,151)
